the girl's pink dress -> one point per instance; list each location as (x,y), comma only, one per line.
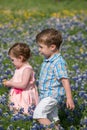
(23,98)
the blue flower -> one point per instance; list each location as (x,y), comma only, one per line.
(0,112)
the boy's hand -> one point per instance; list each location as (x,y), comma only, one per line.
(70,104)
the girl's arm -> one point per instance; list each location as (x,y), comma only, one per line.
(69,102)
(5,80)
(23,83)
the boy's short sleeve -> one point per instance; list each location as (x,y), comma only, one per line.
(60,70)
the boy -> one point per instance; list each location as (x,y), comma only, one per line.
(53,80)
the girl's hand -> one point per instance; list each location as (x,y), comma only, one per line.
(70,104)
(6,83)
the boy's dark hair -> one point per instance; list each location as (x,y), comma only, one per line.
(20,49)
(49,37)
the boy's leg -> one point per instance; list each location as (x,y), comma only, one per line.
(44,121)
(43,109)
(47,122)
(57,125)
(53,116)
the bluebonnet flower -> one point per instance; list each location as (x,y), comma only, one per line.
(1,112)
(12,104)
(51,125)
(10,127)
(18,128)
(21,110)
(85,96)
(84,121)
(29,118)
(8,72)
(81,93)
(15,117)
(37,126)
(72,128)
(1,127)
(3,99)
(31,109)
(6,114)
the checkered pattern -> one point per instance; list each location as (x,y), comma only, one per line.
(52,70)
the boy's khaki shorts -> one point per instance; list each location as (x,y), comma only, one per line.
(47,108)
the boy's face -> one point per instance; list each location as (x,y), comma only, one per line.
(46,51)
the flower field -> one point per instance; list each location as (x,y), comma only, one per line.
(23,26)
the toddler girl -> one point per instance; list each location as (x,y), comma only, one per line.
(23,92)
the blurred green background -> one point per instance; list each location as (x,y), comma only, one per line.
(47,6)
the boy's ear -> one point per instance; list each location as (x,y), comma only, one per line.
(53,47)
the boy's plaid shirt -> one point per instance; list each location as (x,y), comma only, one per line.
(52,70)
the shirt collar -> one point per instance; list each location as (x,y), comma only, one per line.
(52,58)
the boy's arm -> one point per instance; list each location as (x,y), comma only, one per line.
(66,85)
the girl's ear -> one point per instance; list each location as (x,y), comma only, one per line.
(21,58)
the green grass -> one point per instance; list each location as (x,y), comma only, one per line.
(47,6)
(39,10)
(3,90)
